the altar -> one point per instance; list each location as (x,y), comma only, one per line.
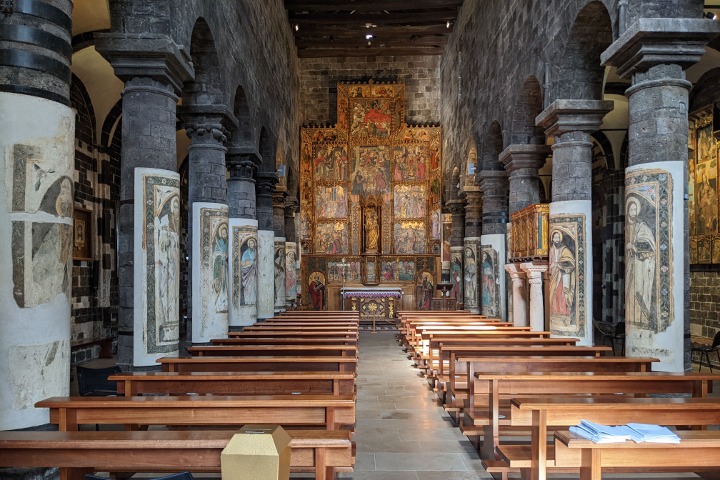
(372,303)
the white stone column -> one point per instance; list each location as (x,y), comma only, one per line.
(266,270)
(156,258)
(519,295)
(244,260)
(535,272)
(211,271)
(36,233)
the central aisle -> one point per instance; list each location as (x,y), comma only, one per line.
(400,432)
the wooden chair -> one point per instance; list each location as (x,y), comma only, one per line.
(706,350)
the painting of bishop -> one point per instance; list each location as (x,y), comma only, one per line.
(331,163)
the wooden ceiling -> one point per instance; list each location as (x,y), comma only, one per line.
(338,28)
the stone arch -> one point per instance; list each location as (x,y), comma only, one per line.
(528,106)
(84,112)
(207,87)
(579,74)
(244,134)
(706,91)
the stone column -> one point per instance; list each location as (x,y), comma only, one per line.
(279,256)
(535,272)
(473,228)
(37,147)
(209,282)
(445,249)
(154,70)
(243,237)
(570,304)
(457,207)
(654,53)
(266,244)
(519,295)
(291,253)
(522,163)
(493,295)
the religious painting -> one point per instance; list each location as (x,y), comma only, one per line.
(331,202)
(410,238)
(648,249)
(425,263)
(345,270)
(372,117)
(410,163)
(456,274)
(332,238)
(290,271)
(446,234)
(279,262)
(470,275)
(371,271)
(245,261)
(425,291)
(406,270)
(371,170)
(436,225)
(566,291)
(388,271)
(316,291)
(82,239)
(703,185)
(409,202)
(331,163)
(489,281)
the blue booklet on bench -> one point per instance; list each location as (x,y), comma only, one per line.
(637,432)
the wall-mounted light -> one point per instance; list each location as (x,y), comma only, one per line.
(297,27)
(710,15)
(369,36)
(447,24)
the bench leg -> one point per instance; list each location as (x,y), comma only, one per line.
(67,473)
(590,464)
(322,471)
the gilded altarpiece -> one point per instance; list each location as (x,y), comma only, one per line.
(369,193)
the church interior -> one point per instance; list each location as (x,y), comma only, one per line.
(175,172)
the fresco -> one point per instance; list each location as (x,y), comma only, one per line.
(456,275)
(291,286)
(316,291)
(245,261)
(332,238)
(648,249)
(566,272)
(371,170)
(331,163)
(489,281)
(703,191)
(425,291)
(210,285)
(470,276)
(410,202)
(331,202)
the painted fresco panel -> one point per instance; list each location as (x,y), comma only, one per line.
(279,261)
(245,263)
(410,237)
(331,163)
(211,290)
(566,290)
(371,170)
(316,291)
(332,238)
(425,291)
(648,249)
(470,275)
(489,281)
(291,286)
(352,270)
(703,190)
(456,274)
(388,271)
(406,270)
(160,258)
(331,202)
(410,202)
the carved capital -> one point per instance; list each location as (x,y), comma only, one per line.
(524,159)
(7,7)
(535,271)
(266,182)
(207,123)
(565,116)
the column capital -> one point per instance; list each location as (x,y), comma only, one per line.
(490,177)
(157,57)
(515,272)
(654,41)
(524,157)
(279,197)
(291,204)
(568,115)
(266,182)
(534,271)
(241,164)
(207,121)
(456,207)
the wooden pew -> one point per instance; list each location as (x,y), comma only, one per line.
(235,383)
(305,328)
(263,364)
(539,413)
(324,411)
(277,350)
(78,453)
(295,333)
(697,450)
(488,390)
(284,341)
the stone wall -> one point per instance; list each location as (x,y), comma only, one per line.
(704,303)
(319,78)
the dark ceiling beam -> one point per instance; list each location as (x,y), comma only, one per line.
(404,41)
(314,30)
(368,52)
(368,5)
(437,18)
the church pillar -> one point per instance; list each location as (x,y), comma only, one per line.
(36,213)
(522,163)
(266,244)
(654,53)
(535,271)
(209,282)
(457,209)
(570,291)
(148,229)
(291,253)
(278,205)
(473,228)
(494,188)
(243,237)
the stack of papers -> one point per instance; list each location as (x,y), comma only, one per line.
(637,432)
